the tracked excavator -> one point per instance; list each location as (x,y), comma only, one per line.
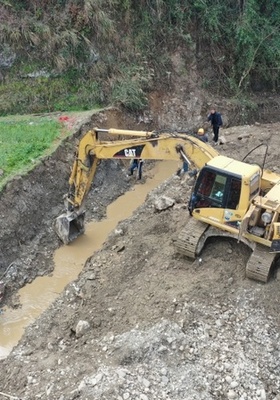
(230,198)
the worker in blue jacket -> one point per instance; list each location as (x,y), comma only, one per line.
(216,121)
(136,164)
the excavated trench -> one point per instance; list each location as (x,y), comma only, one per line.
(30,203)
(29,246)
(229,324)
(69,260)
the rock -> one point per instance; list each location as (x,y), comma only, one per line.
(95,380)
(230,280)
(227,366)
(228,379)
(163,202)
(91,277)
(146,383)
(118,247)
(164,380)
(244,136)
(2,290)
(222,140)
(90,381)
(81,328)
(262,394)
(121,373)
(231,394)
(49,389)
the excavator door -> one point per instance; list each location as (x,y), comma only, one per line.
(216,190)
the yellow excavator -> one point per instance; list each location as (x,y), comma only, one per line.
(230,198)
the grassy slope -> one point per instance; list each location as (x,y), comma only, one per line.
(25,139)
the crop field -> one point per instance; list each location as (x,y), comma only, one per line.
(23,140)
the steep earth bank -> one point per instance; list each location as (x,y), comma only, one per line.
(30,203)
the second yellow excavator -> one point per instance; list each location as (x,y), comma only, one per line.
(230,198)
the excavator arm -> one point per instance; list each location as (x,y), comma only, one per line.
(140,144)
(230,198)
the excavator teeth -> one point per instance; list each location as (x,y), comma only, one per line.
(69,226)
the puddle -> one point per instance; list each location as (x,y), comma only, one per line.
(69,260)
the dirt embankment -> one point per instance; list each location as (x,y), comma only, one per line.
(30,203)
(142,322)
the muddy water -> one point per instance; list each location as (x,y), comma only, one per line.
(69,260)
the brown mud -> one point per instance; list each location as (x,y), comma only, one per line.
(69,260)
(135,281)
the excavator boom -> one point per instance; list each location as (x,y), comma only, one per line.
(141,144)
(230,198)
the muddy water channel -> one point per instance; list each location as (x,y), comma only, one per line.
(69,260)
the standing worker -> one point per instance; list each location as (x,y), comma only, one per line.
(201,135)
(183,169)
(216,121)
(136,164)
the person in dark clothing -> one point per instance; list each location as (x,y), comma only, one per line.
(202,135)
(136,165)
(216,121)
(183,169)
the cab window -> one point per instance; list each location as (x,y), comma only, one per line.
(217,190)
(210,190)
(234,193)
(206,183)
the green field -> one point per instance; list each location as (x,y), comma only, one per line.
(23,140)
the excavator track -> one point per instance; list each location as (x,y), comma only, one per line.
(188,239)
(259,264)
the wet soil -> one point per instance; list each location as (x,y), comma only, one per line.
(135,281)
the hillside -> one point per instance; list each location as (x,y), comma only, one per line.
(65,55)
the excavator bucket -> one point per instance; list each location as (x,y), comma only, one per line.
(69,226)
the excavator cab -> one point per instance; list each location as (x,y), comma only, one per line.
(223,192)
(215,189)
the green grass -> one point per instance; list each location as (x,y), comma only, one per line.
(23,140)
(30,96)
